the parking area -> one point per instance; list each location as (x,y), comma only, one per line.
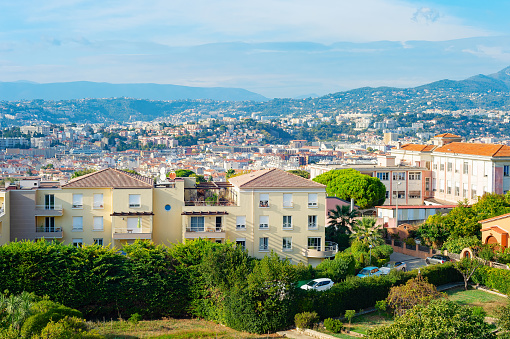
(412,262)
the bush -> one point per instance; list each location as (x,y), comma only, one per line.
(306,319)
(49,311)
(69,328)
(494,278)
(135,318)
(333,325)
(337,269)
(456,244)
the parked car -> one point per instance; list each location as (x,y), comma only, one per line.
(321,284)
(437,259)
(369,272)
(394,265)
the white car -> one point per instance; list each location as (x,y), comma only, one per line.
(321,284)
(394,265)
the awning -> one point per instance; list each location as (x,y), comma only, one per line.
(130,214)
(205,213)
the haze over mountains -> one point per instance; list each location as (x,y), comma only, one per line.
(24,90)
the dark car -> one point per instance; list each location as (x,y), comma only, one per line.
(437,259)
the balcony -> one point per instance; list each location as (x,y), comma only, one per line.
(330,250)
(124,233)
(209,202)
(49,232)
(48,211)
(205,233)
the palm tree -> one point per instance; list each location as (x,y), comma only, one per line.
(366,231)
(341,220)
(17,308)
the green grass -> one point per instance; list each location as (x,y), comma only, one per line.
(170,329)
(488,301)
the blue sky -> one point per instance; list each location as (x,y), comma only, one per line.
(279,48)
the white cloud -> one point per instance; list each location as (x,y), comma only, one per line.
(202,21)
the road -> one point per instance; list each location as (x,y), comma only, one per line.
(412,262)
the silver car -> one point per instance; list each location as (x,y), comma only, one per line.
(437,259)
(321,284)
(394,265)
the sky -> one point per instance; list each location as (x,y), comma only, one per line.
(278,48)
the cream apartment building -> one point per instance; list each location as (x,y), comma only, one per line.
(261,211)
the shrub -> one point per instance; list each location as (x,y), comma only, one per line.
(135,318)
(457,244)
(337,269)
(493,278)
(306,319)
(69,328)
(49,311)
(333,325)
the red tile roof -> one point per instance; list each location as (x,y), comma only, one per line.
(494,218)
(490,150)
(417,147)
(273,178)
(496,229)
(447,135)
(111,178)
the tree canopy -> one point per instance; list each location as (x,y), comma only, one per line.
(183,173)
(77,174)
(301,173)
(348,183)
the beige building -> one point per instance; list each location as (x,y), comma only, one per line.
(261,211)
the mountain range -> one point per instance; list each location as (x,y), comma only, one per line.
(24,90)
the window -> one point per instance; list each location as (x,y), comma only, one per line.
(78,200)
(49,224)
(414,194)
(98,224)
(457,166)
(263,244)
(448,187)
(485,170)
(219,224)
(474,168)
(135,201)
(264,222)
(441,185)
(465,190)
(197,224)
(414,175)
(399,175)
(287,200)
(435,166)
(77,223)
(134,225)
(473,191)
(263,200)
(77,242)
(401,194)
(287,222)
(312,222)
(314,243)
(427,184)
(383,176)
(387,195)
(98,241)
(98,201)
(287,243)
(450,167)
(465,168)
(506,170)
(241,222)
(457,189)
(241,242)
(441,167)
(49,202)
(313,201)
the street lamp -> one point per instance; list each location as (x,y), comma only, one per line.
(396,216)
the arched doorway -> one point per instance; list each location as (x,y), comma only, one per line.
(491,240)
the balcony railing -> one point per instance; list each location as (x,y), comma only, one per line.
(97,206)
(205,229)
(48,229)
(220,202)
(124,233)
(205,232)
(330,250)
(48,207)
(49,210)
(49,232)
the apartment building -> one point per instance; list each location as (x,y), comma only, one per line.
(264,211)
(460,170)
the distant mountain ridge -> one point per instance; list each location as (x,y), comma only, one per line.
(25,90)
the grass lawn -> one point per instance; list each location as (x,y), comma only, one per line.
(170,329)
(363,323)
(488,301)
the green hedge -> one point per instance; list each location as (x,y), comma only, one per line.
(494,278)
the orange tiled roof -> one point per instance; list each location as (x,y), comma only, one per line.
(490,150)
(496,229)
(417,147)
(447,135)
(110,177)
(273,178)
(494,218)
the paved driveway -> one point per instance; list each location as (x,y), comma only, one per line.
(412,262)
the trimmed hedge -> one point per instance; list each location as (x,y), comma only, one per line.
(494,278)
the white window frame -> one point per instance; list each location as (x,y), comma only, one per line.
(241,222)
(78,224)
(312,222)
(313,200)
(287,200)
(98,203)
(77,242)
(383,176)
(197,224)
(77,201)
(135,200)
(287,222)
(401,176)
(414,175)
(314,243)
(132,224)
(264,244)
(287,243)
(263,222)
(242,242)
(98,241)
(264,200)
(98,224)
